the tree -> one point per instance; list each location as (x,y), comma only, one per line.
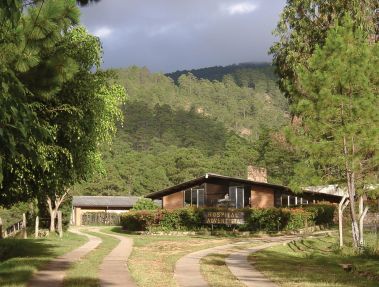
(144,204)
(27,48)
(74,101)
(277,154)
(303,25)
(339,104)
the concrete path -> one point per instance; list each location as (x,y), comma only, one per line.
(187,269)
(242,269)
(53,273)
(114,269)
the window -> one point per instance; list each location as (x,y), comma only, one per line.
(194,197)
(236,195)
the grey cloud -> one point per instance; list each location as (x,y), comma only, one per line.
(167,35)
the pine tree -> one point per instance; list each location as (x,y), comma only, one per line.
(304,25)
(339,103)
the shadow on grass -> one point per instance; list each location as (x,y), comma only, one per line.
(17,271)
(10,248)
(20,257)
(310,268)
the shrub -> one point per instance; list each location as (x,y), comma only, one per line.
(145,204)
(268,219)
(299,218)
(323,213)
(137,220)
(256,219)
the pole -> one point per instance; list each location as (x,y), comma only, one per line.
(36,231)
(25,235)
(60,229)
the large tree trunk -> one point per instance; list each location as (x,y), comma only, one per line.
(52,214)
(53,210)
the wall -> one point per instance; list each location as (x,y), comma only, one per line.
(262,197)
(174,200)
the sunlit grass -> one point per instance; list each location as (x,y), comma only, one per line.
(21,257)
(84,273)
(153,258)
(316,262)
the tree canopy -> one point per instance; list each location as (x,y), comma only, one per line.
(338,135)
(62,107)
(304,25)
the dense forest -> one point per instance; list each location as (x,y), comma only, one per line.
(177,129)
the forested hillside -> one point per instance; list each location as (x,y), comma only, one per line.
(239,107)
(175,132)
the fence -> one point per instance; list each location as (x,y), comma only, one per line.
(14,229)
(100,218)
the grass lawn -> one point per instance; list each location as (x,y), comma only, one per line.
(19,258)
(216,273)
(85,272)
(153,257)
(315,262)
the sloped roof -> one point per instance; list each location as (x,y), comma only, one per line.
(332,189)
(104,201)
(205,178)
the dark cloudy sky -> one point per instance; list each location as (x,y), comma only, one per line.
(169,35)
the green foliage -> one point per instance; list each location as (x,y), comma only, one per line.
(323,213)
(304,25)
(14,213)
(159,147)
(267,219)
(339,135)
(57,107)
(144,204)
(242,109)
(137,220)
(175,133)
(277,154)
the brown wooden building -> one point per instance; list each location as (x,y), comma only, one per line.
(213,190)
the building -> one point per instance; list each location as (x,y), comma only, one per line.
(82,205)
(212,190)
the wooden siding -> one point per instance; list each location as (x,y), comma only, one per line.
(174,200)
(262,197)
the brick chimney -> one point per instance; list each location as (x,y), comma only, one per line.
(257,173)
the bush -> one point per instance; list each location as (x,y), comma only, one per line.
(265,219)
(268,219)
(299,218)
(324,214)
(145,204)
(137,220)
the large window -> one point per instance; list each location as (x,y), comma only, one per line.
(194,197)
(236,194)
(289,200)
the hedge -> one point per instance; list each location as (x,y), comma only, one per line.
(267,219)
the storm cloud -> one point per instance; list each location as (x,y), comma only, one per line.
(169,35)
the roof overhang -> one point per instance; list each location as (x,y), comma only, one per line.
(208,178)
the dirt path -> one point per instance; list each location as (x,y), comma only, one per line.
(114,269)
(53,273)
(187,269)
